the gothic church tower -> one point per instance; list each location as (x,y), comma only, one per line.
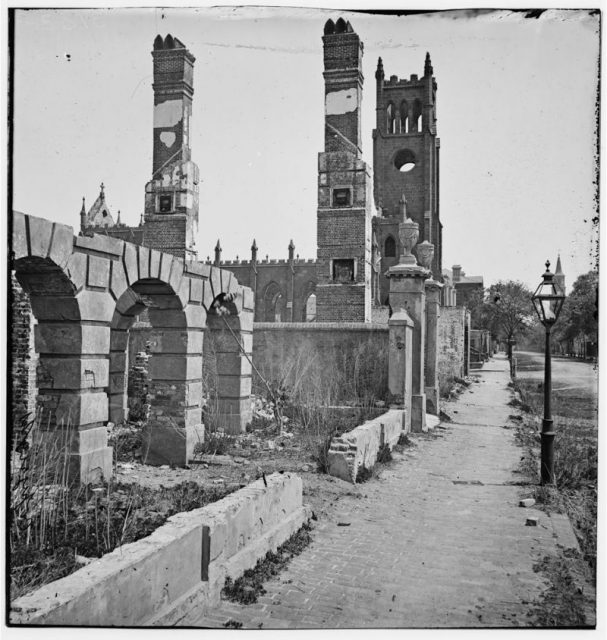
(406,163)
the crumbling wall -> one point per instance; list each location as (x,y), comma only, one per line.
(451,343)
(24,359)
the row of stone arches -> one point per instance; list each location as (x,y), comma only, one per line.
(275,304)
(406,118)
(85,293)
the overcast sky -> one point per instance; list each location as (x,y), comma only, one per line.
(516,117)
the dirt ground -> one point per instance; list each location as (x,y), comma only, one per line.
(252,455)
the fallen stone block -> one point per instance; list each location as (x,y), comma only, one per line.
(527,502)
(361,446)
(532,521)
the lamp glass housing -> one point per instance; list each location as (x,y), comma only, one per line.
(548,300)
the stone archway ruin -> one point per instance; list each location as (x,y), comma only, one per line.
(85,292)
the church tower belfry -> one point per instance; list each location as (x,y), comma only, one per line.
(345,197)
(406,157)
(171,196)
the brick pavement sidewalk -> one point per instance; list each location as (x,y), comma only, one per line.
(438,540)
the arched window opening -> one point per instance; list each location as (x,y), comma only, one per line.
(405,160)
(390,247)
(390,118)
(417,115)
(404,117)
(273,303)
(310,308)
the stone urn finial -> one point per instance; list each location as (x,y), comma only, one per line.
(408,233)
(425,253)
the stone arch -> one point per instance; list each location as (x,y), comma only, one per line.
(102,283)
(71,343)
(274,303)
(231,330)
(147,280)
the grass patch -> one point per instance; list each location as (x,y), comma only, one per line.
(249,586)
(86,521)
(363,474)
(562,604)
(575,459)
(214,444)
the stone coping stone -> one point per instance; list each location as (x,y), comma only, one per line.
(320,326)
(178,570)
(360,447)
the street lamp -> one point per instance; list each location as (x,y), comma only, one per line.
(548,300)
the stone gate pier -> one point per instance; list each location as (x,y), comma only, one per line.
(85,293)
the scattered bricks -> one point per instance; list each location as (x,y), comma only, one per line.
(527,502)
(532,521)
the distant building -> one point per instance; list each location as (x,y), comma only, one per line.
(559,276)
(465,286)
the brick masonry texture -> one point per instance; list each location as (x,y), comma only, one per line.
(24,359)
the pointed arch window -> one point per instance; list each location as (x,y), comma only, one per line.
(390,118)
(390,247)
(417,116)
(309,311)
(404,117)
(273,303)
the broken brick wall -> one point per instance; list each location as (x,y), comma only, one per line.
(24,359)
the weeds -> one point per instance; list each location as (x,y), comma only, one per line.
(215,443)
(384,455)
(523,406)
(54,519)
(126,441)
(562,605)
(363,474)
(249,586)
(321,455)
(232,624)
(575,460)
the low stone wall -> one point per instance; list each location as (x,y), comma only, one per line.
(361,446)
(341,357)
(179,570)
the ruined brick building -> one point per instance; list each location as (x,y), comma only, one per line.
(357,215)
(89,294)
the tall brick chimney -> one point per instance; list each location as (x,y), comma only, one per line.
(171,199)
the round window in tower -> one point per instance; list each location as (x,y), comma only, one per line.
(404,160)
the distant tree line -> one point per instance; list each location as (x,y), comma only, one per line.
(505,309)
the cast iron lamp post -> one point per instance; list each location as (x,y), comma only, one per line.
(548,300)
